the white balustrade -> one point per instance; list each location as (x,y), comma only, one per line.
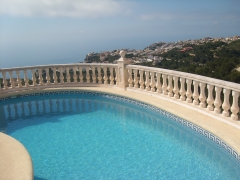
(162,81)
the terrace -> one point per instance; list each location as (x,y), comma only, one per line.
(206,102)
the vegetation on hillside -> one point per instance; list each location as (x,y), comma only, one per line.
(214,59)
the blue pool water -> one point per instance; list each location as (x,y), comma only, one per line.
(95,136)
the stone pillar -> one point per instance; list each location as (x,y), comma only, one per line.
(122,71)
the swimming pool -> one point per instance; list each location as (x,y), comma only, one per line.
(86,135)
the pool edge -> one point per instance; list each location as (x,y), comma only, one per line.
(15,161)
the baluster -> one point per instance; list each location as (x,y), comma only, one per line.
(40,76)
(26,78)
(141,82)
(94,77)
(153,82)
(210,99)
(97,75)
(54,75)
(78,69)
(33,77)
(75,78)
(135,71)
(47,75)
(147,83)
(158,84)
(68,78)
(176,88)
(116,75)
(111,76)
(100,77)
(4,80)
(189,90)
(87,74)
(202,96)
(195,93)
(182,89)
(81,74)
(235,108)
(226,104)
(130,80)
(164,85)
(217,102)
(19,81)
(11,79)
(105,76)
(61,75)
(170,86)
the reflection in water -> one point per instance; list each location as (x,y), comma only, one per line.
(27,108)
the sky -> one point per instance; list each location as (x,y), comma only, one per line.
(37,32)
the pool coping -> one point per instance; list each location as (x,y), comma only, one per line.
(15,161)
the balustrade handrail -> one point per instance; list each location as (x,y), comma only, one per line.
(194,77)
(59,65)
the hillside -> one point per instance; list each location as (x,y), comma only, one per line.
(213,59)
